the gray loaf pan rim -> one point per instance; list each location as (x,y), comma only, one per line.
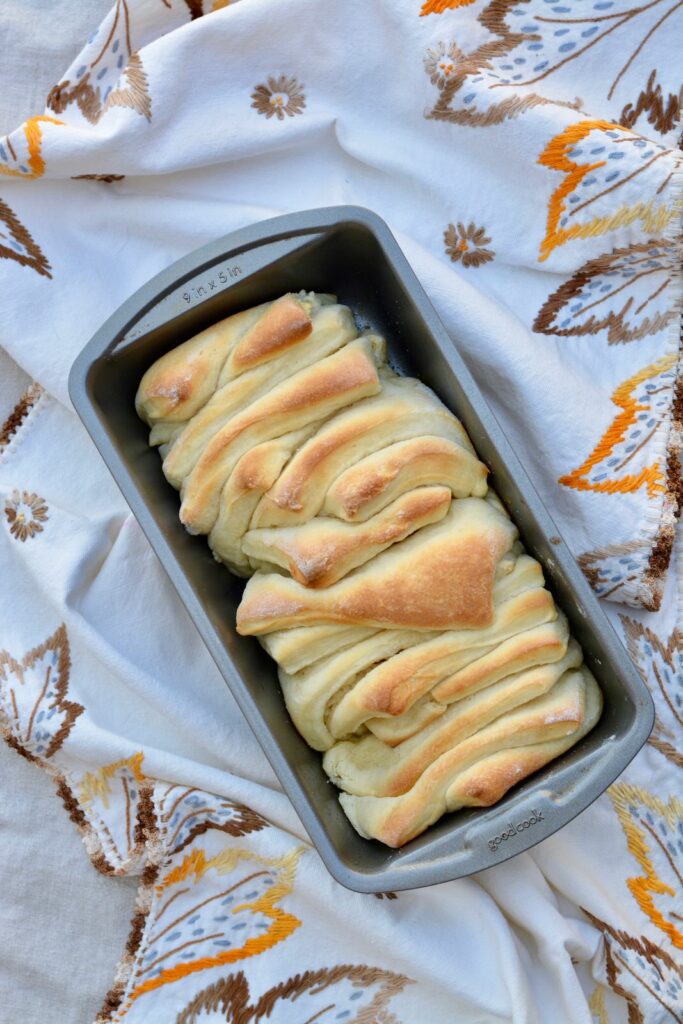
(350,251)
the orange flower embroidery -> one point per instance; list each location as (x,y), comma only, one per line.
(644,400)
(279,97)
(442,62)
(439,6)
(467,245)
(25,513)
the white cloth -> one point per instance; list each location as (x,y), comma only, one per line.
(222,119)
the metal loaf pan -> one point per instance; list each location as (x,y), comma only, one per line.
(351,252)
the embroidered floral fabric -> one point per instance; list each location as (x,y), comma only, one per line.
(525,153)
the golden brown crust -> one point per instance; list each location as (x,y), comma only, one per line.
(309,395)
(333,327)
(368,486)
(395,686)
(416,642)
(284,324)
(441,578)
(401,410)
(252,476)
(479,770)
(323,551)
(182,380)
(309,693)
(368,767)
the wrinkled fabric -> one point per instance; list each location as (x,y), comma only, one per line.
(545,229)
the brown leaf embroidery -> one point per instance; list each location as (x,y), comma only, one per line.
(195,7)
(467,245)
(117,797)
(34,709)
(16,243)
(632,572)
(19,413)
(642,973)
(106,178)
(628,292)
(469,93)
(110,73)
(186,813)
(281,96)
(663,115)
(661,665)
(358,995)
(526,45)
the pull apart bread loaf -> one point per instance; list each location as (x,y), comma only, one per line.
(417,645)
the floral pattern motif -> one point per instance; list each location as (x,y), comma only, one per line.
(643,973)
(527,44)
(467,245)
(439,6)
(236,915)
(17,243)
(21,153)
(281,96)
(631,572)
(187,813)
(123,836)
(661,665)
(35,714)
(442,62)
(109,73)
(353,994)
(613,569)
(644,400)
(604,295)
(19,413)
(598,158)
(654,833)
(26,514)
